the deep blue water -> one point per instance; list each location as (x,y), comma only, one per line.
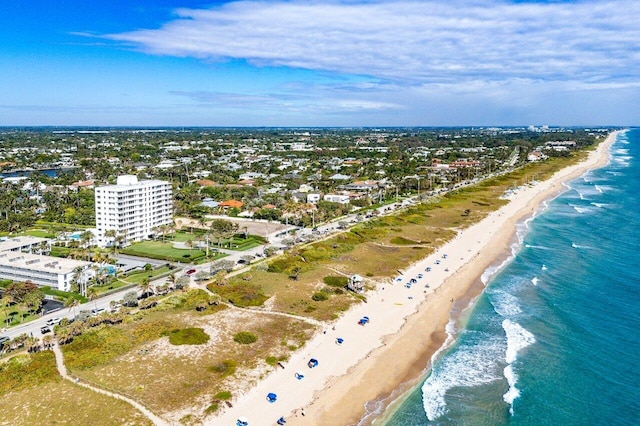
(20,173)
(555,337)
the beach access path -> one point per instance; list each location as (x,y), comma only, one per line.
(406,327)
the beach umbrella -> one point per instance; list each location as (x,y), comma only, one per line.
(281,421)
(339,340)
(312,363)
(299,375)
(272,397)
(242,421)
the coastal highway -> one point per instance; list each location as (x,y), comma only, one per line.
(304,235)
(33,327)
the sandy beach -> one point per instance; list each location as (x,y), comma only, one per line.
(406,327)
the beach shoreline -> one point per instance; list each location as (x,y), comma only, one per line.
(407,325)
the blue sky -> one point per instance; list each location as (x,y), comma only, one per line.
(320,63)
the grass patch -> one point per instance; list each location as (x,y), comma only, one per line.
(188,336)
(164,251)
(240,293)
(26,371)
(72,405)
(40,233)
(245,337)
(101,345)
(225,368)
(223,395)
(401,241)
(334,281)
(271,360)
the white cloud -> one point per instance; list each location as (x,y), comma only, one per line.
(414,42)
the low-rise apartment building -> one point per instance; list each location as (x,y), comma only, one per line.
(18,262)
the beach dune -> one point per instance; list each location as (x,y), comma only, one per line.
(406,326)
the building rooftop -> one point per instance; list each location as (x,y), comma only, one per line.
(17,242)
(36,262)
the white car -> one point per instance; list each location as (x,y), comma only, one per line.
(53,321)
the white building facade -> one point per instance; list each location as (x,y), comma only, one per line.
(19,262)
(133,209)
(337,198)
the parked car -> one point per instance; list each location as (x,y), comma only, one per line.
(96,312)
(45,329)
(3,340)
(191,271)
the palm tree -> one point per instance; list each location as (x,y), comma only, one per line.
(32,343)
(85,238)
(7,301)
(111,234)
(47,341)
(145,286)
(171,280)
(71,303)
(92,294)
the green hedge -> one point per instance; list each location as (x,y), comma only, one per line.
(63,294)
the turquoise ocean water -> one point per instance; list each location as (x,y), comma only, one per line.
(555,337)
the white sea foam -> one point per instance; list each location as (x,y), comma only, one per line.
(518,338)
(534,281)
(513,392)
(579,209)
(505,304)
(537,247)
(544,267)
(624,162)
(577,246)
(599,205)
(467,366)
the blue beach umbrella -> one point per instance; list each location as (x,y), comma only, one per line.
(272,397)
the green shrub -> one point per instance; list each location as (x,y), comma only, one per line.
(225,368)
(335,281)
(241,293)
(319,296)
(245,337)
(188,336)
(224,395)
(26,371)
(212,408)
(272,360)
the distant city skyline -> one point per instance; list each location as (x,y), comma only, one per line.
(332,63)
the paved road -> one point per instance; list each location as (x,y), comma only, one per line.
(304,235)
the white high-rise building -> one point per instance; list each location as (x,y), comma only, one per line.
(132,208)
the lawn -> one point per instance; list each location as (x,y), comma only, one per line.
(164,251)
(17,314)
(139,276)
(41,233)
